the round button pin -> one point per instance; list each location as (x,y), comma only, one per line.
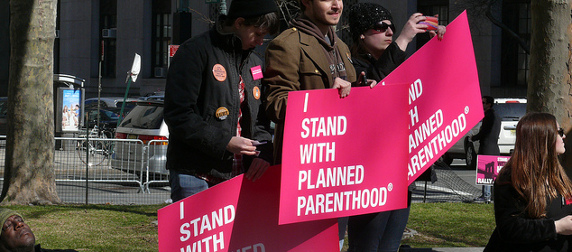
(219,72)
(256,93)
(222,113)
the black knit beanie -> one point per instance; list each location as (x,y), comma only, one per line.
(251,8)
(363,15)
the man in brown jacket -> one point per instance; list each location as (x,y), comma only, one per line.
(307,56)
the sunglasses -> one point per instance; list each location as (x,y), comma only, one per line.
(382,26)
(561,132)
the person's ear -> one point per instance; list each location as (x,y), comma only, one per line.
(238,23)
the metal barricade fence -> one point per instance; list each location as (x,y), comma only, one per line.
(114,171)
(101,171)
(80,160)
(156,163)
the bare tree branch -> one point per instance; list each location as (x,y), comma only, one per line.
(523,44)
(486,8)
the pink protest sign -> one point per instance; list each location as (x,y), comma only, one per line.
(488,168)
(240,215)
(346,156)
(444,95)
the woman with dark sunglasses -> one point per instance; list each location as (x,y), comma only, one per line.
(532,193)
(375,53)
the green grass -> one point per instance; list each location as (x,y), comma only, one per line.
(134,228)
(93,227)
(450,225)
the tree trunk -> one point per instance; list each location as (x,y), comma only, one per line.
(29,174)
(565,119)
(549,82)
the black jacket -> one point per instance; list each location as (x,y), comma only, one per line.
(378,69)
(515,232)
(197,87)
(489,134)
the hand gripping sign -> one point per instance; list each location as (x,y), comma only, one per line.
(346,156)
(444,95)
(240,215)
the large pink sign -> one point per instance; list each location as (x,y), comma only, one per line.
(240,215)
(444,95)
(488,168)
(344,156)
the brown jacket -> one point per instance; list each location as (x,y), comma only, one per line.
(296,61)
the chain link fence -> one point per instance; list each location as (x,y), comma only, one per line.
(448,187)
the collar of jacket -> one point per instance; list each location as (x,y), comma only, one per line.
(227,41)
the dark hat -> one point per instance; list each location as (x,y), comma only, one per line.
(363,15)
(251,8)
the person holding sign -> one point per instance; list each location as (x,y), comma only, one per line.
(307,56)
(374,50)
(533,193)
(213,103)
(376,54)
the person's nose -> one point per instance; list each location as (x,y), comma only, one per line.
(389,32)
(336,4)
(18,225)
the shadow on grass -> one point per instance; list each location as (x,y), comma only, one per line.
(39,211)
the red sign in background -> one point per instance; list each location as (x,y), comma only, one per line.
(172,50)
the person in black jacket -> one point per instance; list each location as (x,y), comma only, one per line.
(376,54)
(213,104)
(533,193)
(488,136)
(374,50)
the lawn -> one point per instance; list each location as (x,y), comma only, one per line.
(134,228)
(93,227)
(450,225)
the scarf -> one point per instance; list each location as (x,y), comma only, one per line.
(328,42)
